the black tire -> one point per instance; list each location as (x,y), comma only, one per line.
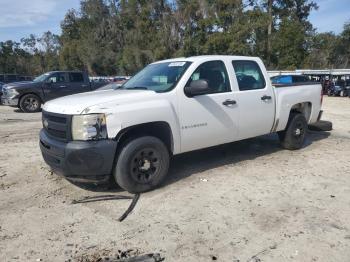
(321,125)
(30,103)
(142,164)
(293,136)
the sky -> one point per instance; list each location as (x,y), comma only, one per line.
(331,15)
(20,18)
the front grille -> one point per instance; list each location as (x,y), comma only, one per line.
(58,119)
(57,125)
(57,133)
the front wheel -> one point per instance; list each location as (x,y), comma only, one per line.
(30,103)
(142,164)
(293,136)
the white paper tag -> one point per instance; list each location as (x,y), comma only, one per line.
(176,64)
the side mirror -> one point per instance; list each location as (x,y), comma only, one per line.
(197,87)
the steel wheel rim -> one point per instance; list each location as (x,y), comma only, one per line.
(299,130)
(144,165)
(31,103)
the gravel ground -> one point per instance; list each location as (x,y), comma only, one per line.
(246,201)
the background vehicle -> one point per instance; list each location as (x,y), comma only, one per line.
(347,87)
(28,96)
(289,79)
(171,107)
(109,86)
(1,84)
(338,88)
(120,79)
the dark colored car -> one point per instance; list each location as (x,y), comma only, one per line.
(1,84)
(120,80)
(339,88)
(334,90)
(109,86)
(346,91)
(289,79)
(29,96)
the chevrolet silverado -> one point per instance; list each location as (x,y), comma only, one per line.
(168,108)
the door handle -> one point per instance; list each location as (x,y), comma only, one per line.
(229,102)
(62,86)
(265,97)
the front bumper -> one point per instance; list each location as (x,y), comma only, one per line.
(9,101)
(81,161)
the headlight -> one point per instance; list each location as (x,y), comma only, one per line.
(10,92)
(89,127)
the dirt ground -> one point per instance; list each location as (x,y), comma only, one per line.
(246,201)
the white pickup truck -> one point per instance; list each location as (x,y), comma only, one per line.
(168,108)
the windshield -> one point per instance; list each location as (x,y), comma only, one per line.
(41,78)
(160,77)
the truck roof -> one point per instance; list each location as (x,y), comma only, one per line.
(207,57)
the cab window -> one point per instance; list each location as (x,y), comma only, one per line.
(57,78)
(249,75)
(214,72)
(76,77)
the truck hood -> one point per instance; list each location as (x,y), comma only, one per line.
(21,85)
(80,103)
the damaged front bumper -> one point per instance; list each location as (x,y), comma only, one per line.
(79,161)
(9,101)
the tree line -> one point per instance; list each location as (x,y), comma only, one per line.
(116,37)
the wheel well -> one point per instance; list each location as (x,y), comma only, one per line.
(31,93)
(302,108)
(160,130)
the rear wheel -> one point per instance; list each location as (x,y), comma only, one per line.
(293,136)
(30,103)
(142,164)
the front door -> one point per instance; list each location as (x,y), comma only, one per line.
(56,86)
(212,118)
(255,100)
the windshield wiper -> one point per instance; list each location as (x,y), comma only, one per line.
(136,88)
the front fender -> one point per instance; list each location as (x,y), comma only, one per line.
(119,117)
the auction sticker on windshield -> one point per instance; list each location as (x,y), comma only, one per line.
(176,64)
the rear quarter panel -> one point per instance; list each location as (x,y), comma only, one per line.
(288,96)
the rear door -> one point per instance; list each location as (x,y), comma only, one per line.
(255,99)
(77,84)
